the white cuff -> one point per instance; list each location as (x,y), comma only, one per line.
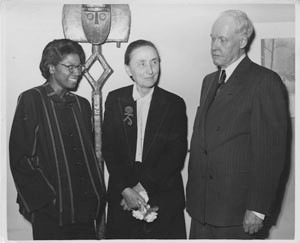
(260,215)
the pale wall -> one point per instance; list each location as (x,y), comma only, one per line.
(180,29)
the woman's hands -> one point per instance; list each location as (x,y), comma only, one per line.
(132,199)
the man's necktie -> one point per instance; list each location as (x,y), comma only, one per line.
(219,85)
(221,81)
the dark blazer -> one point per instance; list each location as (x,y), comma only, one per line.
(52,159)
(238,146)
(164,151)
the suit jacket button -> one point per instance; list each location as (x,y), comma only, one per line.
(210,177)
(218,128)
(205,152)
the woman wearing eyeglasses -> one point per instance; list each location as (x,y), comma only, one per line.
(52,158)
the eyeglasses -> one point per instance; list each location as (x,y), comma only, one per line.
(72,68)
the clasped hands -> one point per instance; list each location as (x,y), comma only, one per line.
(136,199)
(132,199)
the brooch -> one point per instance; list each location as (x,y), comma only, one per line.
(128,115)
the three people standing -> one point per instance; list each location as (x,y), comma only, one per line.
(237,153)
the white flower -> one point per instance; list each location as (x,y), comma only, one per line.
(145,213)
(150,217)
(138,214)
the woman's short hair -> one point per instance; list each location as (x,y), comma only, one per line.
(56,50)
(134,45)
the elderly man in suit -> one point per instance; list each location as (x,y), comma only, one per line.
(144,147)
(239,139)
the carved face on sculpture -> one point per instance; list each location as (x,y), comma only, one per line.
(143,68)
(96,22)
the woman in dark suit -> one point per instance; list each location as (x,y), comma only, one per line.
(144,147)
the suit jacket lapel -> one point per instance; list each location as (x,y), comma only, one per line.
(157,113)
(234,84)
(127,111)
(208,95)
(210,92)
(233,87)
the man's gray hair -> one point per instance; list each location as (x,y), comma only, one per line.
(244,24)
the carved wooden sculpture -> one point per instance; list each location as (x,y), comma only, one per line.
(97,24)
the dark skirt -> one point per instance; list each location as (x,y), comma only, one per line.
(122,225)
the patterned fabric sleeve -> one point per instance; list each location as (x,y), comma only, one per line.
(34,190)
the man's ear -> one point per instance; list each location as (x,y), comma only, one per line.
(51,68)
(243,41)
(128,70)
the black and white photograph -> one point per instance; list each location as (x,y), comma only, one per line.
(149,120)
